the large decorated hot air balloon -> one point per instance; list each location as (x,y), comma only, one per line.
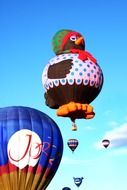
(72,144)
(72,79)
(31,148)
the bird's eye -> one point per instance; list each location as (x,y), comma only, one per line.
(73,38)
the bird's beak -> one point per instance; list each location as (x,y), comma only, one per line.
(79,41)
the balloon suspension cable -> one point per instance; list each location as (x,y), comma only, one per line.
(74,126)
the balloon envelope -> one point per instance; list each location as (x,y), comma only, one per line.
(72,79)
(78,181)
(106,143)
(80,87)
(72,143)
(31,148)
(66,188)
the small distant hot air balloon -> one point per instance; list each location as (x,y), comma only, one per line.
(66,188)
(78,181)
(106,143)
(73,78)
(31,148)
(72,143)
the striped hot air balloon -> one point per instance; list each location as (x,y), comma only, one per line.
(105,143)
(31,148)
(72,143)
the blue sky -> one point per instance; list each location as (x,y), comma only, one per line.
(26,31)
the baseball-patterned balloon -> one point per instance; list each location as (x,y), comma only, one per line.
(31,148)
(73,78)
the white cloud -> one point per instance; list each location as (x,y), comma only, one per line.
(122,151)
(116,136)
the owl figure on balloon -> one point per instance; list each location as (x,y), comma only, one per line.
(72,79)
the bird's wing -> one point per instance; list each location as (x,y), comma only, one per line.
(60,70)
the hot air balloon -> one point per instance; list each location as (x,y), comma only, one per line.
(106,143)
(31,148)
(78,181)
(66,188)
(72,143)
(72,79)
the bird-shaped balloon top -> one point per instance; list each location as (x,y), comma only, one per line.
(72,79)
(64,40)
(68,41)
